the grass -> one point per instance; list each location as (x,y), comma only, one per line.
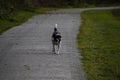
(20,17)
(99,44)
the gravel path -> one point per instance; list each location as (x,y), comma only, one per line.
(25,50)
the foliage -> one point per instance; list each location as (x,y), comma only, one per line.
(7,7)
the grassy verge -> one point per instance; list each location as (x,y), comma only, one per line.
(20,17)
(99,44)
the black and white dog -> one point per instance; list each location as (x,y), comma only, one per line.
(56,40)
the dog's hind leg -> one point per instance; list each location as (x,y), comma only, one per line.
(59,46)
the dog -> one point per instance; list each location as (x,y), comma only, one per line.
(56,40)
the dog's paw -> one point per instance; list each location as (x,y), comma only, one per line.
(57,52)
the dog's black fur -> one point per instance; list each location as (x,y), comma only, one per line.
(56,40)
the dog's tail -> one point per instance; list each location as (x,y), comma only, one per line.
(56,26)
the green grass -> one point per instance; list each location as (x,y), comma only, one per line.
(20,17)
(99,44)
